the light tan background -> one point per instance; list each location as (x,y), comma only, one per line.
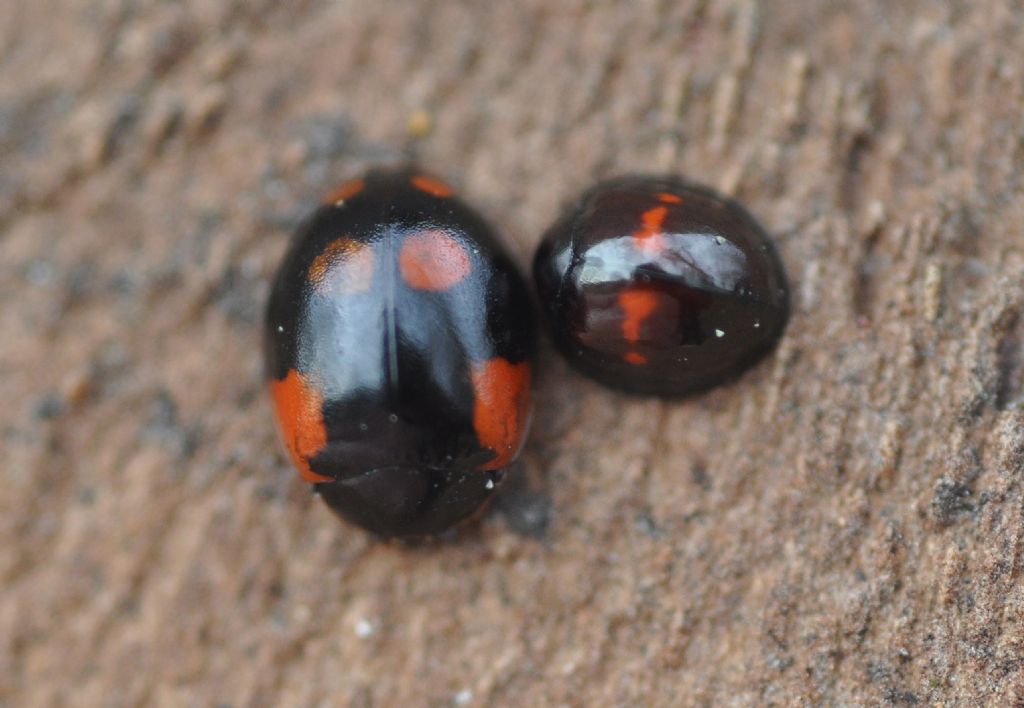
(844,524)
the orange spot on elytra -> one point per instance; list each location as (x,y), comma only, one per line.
(347,190)
(650,233)
(501,411)
(431,185)
(637,304)
(350,264)
(669,198)
(635,358)
(300,421)
(651,222)
(433,260)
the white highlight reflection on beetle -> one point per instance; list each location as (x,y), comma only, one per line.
(721,264)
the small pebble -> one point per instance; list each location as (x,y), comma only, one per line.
(420,124)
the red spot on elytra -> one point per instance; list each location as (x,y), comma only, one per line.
(501,408)
(635,358)
(349,263)
(637,305)
(431,185)
(650,235)
(669,198)
(433,260)
(300,421)
(345,191)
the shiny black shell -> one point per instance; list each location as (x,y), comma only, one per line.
(656,286)
(398,338)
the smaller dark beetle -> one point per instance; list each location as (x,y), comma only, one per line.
(656,286)
(398,341)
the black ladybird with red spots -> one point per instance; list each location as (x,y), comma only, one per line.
(657,286)
(398,341)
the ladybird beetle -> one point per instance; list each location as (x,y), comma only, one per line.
(657,286)
(398,340)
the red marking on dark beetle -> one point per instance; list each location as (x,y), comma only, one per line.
(650,234)
(637,305)
(300,421)
(669,198)
(431,185)
(350,263)
(345,191)
(433,260)
(501,409)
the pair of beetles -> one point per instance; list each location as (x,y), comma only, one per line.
(399,335)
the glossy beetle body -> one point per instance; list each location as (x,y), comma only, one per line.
(657,286)
(398,339)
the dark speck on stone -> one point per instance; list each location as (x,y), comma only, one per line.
(898,697)
(699,475)
(125,118)
(951,501)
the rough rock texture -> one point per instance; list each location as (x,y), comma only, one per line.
(843,525)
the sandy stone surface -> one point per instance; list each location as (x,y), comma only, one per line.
(843,525)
